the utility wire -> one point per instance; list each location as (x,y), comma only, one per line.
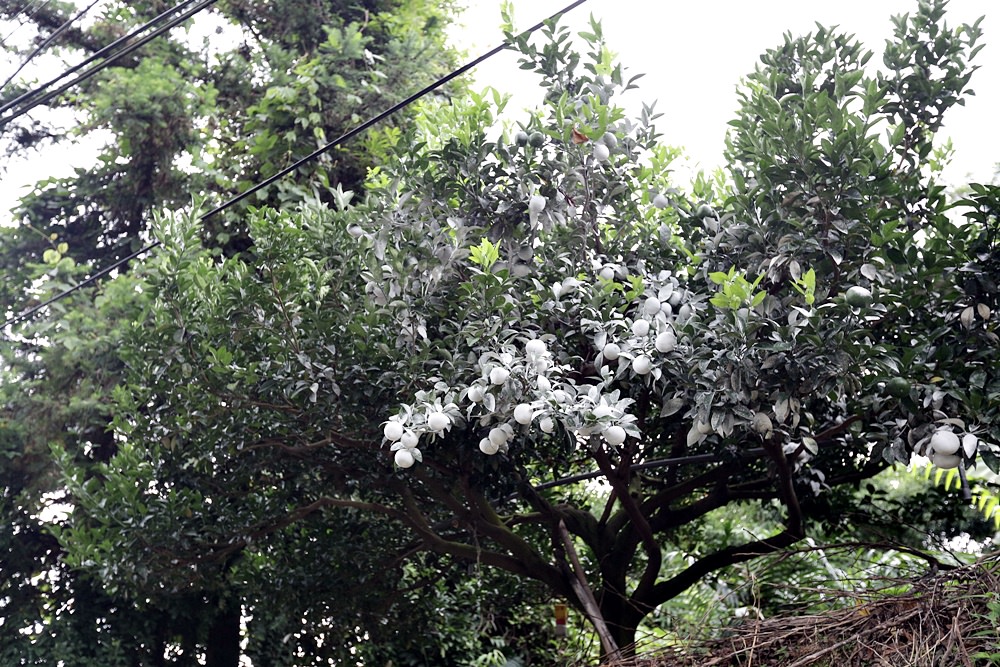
(27,18)
(287,170)
(38,95)
(41,47)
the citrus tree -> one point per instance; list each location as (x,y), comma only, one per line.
(536,353)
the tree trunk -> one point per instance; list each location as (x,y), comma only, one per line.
(222,648)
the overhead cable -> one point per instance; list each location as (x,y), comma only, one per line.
(39,95)
(48,40)
(29,16)
(287,170)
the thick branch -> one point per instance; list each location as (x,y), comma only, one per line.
(671,588)
(639,522)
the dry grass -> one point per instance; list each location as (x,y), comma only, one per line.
(947,619)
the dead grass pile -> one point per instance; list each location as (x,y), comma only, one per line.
(945,619)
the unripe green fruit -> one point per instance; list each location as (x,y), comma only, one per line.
(705,211)
(898,387)
(858,297)
(521,138)
(536,140)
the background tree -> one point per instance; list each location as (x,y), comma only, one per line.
(550,312)
(177,117)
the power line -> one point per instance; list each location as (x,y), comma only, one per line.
(26,18)
(38,96)
(41,47)
(287,170)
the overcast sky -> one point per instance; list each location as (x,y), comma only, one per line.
(693,55)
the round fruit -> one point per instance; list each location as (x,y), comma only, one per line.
(543,383)
(946,461)
(615,435)
(521,138)
(547,425)
(642,365)
(659,201)
(609,140)
(898,387)
(607,273)
(498,436)
(858,297)
(640,328)
(409,439)
(475,394)
(438,421)
(404,458)
(536,204)
(499,375)
(356,231)
(536,140)
(560,396)
(652,306)
(601,152)
(611,351)
(392,431)
(665,342)
(487,446)
(602,411)
(705,211)
(535,348)
(945,442)
(522,413)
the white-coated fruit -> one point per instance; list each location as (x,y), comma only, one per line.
(607,273)
(615,435)
(611,351)
(498,436)
(536,204)
(476,394)
(487,446)
(945,442)
(609,140)
(438,421)
(651,306)
(535,348)
(543,383)
(547,425)
(522,413)
(665,342)
(409,439)
(642,365)
(946,461)
(404,458)
(499,375)
(392,431)
(659,201)
(601,152)
(640,328)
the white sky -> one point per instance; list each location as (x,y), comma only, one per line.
(693,55)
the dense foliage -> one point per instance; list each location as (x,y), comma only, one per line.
(537,355)
(177,117)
